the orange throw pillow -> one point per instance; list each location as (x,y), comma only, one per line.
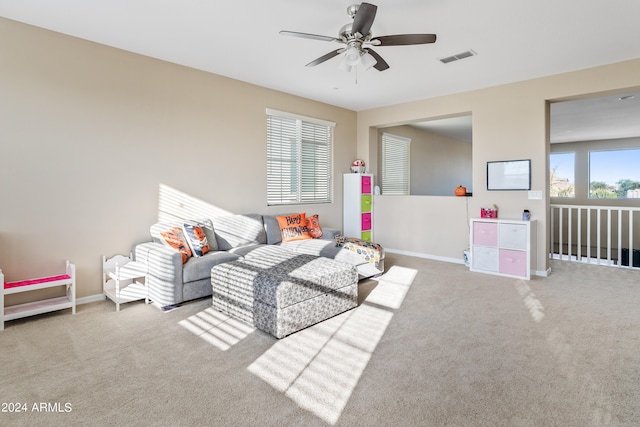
(174,238)
(293,227)
(313,225)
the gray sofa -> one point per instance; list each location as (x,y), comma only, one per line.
(232,238)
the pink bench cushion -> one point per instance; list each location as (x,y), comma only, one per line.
(9,285)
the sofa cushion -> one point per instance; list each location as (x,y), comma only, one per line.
(284,297)
(281,278)
(301,278)
(293,227)
(196,239)
(328,249)
(159,227)
(174,238)
(207,226)
(274,235)
(272,228)
(246,250)
(324,248)
(200,268)
(238,230)
(372,252)
(269,255)
(313,226)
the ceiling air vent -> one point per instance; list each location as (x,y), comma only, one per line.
(457,56)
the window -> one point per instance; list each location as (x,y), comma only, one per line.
(396,157)
(299,158)
(562,175)
(614,174)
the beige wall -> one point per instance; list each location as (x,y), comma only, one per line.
(422,225)
(438,163)
(90,134)
(509,122)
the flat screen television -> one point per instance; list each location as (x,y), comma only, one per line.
(509,175)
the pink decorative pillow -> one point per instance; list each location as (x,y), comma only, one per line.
(174,238)
(313,225)
(293,227)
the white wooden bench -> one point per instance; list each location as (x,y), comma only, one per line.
(68,279)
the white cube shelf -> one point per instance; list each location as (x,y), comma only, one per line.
(505,247)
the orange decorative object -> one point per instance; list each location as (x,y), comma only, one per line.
(460,191)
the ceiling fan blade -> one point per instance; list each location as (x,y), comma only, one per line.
(325,57)
(404,39)
(381,65)
(308,36)
(363,19)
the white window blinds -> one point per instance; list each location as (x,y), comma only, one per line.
(299,158)
(396,157)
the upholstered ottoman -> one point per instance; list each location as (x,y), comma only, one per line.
(281,292)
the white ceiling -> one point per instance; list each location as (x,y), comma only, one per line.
(592,119)
(454,127)
(514,40)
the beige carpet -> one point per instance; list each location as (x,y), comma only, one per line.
(431,344)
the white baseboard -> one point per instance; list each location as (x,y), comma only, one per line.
(90,299)
(423,255)
(543,273)
(452,260)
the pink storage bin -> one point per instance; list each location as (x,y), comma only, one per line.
(485,233)
(366,221)
(366,185)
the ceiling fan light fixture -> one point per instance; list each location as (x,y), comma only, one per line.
(352,56)
(355,56)
(367,61)
(344,64)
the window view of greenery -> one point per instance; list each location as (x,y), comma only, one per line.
(614,174)
(562,179)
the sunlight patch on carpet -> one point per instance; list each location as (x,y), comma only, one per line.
(216,328)
(319,367)
(396,285)
(531,302)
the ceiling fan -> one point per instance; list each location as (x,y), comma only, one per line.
(357,37)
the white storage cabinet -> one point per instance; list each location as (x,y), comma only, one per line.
(505,247)
(358,206)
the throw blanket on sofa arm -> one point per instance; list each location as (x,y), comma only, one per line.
(368,250)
